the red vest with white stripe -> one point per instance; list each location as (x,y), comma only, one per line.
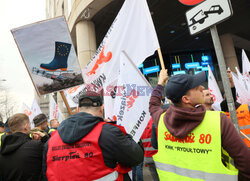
(82,160)
(243,116)
(149,151)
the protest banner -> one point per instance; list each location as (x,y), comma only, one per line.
(241,90)
(72,94)
(132,31)
(54,111)
(26,110)
(245,66)
(49,56)
(214,89)
(131,107)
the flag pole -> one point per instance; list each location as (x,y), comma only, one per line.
(161,59)
(66,103)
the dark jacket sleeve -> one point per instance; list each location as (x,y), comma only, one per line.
(44,163)
(154,142)
(155,104)
(235,146)
(116,147)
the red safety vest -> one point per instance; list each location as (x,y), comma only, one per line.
(243,116)
(79,161)
(149,151)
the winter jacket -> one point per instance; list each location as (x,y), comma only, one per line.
(181,121)
(20,158)
(115,146)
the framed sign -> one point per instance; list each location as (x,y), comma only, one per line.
(49,56)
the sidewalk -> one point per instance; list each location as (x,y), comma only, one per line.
(146,174)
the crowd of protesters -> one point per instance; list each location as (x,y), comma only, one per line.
(186,140)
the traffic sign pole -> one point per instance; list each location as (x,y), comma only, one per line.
(225,81)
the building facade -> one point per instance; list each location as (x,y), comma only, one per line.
(89,20)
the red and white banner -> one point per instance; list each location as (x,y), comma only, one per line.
(214,89)
(31,112)
(54,111)
(132,31)
(131,106)
(35,109)
(72,95)
(26,110)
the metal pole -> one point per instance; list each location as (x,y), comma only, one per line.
(225,81)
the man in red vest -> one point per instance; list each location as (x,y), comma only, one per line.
(85,147)
(149,150)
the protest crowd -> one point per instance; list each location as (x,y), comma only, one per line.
(86,146)
(183,129)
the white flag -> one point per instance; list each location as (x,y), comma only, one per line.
(131,107)
(132,31)
(26,110)
(242,93)
(54,111)
(35,109)
(214,89)
(244,83)
(72,95)
(245,66)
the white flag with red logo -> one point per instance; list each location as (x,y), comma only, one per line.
(35,109)
(245,66)
(131,104)
(26,110)
(214,89)
(243,96)
(72,95)
(54,111)
(132,31)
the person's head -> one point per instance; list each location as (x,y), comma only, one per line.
(91,102)
(185,90)
(41,121)
(208,97)
(1,127)
(54,123)
(19,123)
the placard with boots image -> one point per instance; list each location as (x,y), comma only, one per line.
(50,58)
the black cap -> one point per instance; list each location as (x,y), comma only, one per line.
(39,119)
(90,99)
(178,85)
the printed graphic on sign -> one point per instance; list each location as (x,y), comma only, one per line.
(102,59)
(49,55)
(207,13)
(131,98)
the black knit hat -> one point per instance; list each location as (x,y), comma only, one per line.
(39,119)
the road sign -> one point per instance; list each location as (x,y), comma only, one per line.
(208,13)
(190,2)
